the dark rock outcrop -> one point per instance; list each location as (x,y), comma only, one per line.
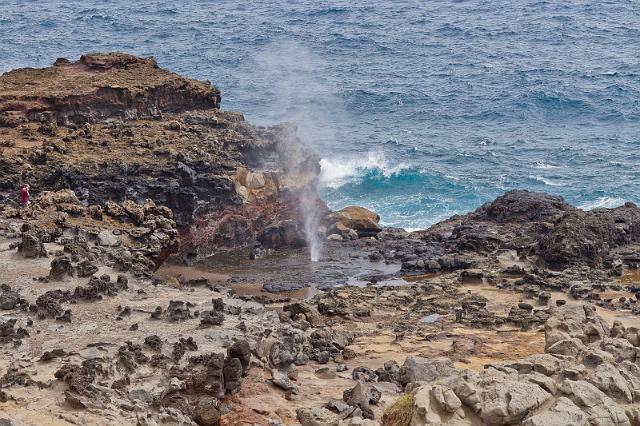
(533,224)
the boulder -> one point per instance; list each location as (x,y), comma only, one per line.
(362,396)
(510,402)
(361,220)
(317,417)
(31,246)
(418,369)
(9,299)
(207,411)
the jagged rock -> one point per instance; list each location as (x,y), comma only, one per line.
(9,299)
(209,318)
(363,374)
(31,246)
(337,406)
(154,342)
(281,380)
(242,351)
(207,412)
(9,333)
(362,396)
(60,268)
(310,313)
(389,373)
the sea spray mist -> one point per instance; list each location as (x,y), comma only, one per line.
(311,214)
(291,78)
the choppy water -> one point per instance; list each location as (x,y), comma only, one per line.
(420,109)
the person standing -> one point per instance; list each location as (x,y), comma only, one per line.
(24,195)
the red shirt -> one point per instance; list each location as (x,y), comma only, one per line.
(24,195)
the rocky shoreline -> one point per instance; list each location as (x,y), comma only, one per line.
(161,275)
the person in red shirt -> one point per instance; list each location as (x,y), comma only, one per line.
(24,195)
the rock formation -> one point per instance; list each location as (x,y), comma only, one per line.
(115,127)
(588,375)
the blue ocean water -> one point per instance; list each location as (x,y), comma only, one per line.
(419,109)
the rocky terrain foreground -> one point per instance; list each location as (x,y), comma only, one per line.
(161,275)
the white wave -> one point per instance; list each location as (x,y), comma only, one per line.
(546,181)
(541,164)
(606,202)
(335,172)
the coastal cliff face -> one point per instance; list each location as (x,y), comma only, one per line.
(115,127)
(98,87)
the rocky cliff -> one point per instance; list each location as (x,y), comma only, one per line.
(115,127)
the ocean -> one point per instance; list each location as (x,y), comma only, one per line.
(418,109)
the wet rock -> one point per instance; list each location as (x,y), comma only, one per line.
(283,234)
